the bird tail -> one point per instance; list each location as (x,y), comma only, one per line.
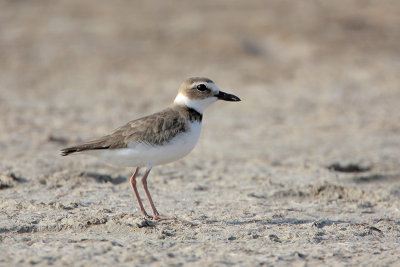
(91,145)
(68,150)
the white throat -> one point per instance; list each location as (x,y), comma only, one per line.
(197,104)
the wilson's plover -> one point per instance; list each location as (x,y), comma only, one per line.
(159,138)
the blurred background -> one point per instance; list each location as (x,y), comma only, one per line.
(317,78)
(316,136)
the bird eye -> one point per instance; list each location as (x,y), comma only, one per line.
(201,87)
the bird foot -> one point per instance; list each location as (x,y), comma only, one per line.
(159,217)
(146,216)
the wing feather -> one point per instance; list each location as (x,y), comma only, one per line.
(156,129)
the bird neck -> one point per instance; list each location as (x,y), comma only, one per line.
(198,105)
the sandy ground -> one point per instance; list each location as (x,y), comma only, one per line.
(304,171)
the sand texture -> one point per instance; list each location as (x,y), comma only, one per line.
(303,171)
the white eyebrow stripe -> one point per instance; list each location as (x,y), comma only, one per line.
(210,86)
(213,87)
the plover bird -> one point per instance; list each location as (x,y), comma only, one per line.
(159,138)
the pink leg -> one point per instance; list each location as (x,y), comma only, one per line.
(133,183)
(157,215)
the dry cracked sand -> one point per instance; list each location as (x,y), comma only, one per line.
(304,171)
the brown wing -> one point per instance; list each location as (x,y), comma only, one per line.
(155,129)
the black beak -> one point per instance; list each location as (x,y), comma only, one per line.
(227,97)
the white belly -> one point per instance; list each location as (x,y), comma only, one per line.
(142,154)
